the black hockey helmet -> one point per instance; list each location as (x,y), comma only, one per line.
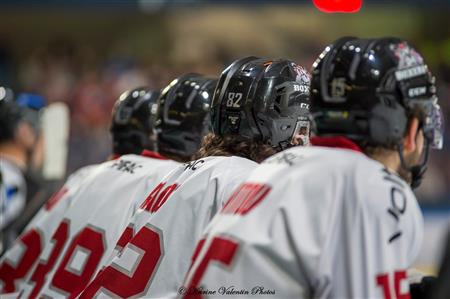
(132,124)
(365,89)
(261,99)
(183,116)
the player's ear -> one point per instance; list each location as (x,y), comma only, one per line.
(409,141)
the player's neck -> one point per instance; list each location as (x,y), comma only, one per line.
(14,153)
(391,161)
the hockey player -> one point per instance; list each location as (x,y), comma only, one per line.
(132,115)
(19,261)
(338,221)
(108,198)
(258,107)
(19,137)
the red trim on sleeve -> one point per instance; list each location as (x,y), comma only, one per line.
(339,142)
(150,154)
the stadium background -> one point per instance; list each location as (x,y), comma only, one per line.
(86,53)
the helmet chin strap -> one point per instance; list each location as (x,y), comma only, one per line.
(417,171)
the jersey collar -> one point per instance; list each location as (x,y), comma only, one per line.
(338,141)
(114,157)
(151,154)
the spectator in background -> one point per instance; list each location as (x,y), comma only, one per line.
(19,138)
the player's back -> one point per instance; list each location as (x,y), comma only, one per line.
(20,259)
(302,226)
(87,235)
(167,227)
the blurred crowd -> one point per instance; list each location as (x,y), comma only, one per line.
(64,71)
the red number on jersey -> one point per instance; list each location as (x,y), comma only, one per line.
(80,262)
(59,238)
(126,276)
(87,244)
(9,274)
(383,280)
(221,250)
(245,198)
(157,197)
(125,238)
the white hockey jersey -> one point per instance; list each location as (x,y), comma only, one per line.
(13,194)
(311,222)
(167,227)
(20,259)
(90,229)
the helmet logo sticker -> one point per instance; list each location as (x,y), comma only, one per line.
(302,75)
(411,72)
(338,88)
(417,91)
(233,122)
(304,105)
(410,63)
(301,88)
(407,57)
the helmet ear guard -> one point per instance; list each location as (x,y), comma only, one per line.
(384,118)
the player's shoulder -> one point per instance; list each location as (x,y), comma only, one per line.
(214,168)
(357,171)
(224,164)
(336,157)
(368,184)
(237,162)
(81,173)
(331,167)
(314,160)
(11,173)
(381,189)
(218,162)
(139,164)
(148,158)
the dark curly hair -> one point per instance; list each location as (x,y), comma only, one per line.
(230,145)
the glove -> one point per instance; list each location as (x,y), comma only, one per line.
(422,289)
